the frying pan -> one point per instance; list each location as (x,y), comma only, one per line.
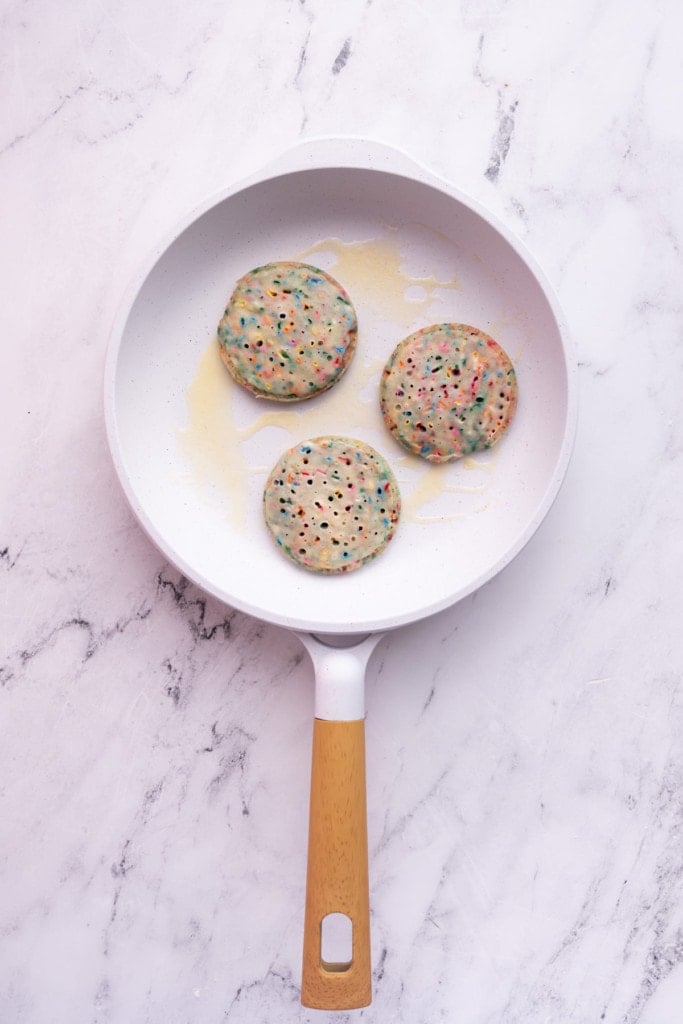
(192,450)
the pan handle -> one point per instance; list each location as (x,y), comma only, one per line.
(337,873)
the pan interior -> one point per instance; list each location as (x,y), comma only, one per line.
(194,450)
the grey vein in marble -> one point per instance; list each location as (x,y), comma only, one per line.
(342,57)
(502,140)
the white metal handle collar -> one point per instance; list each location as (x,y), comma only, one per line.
(340,674)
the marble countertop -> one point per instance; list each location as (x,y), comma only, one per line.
(525,747)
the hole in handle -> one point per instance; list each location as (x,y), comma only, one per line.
(336,942)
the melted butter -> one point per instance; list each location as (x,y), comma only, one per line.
(214,444)
(434,481)
(343,407)
(472,464)
(209,442)
(372,274)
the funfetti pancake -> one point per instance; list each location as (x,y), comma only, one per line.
(331,504)
(448,390)
(288,332)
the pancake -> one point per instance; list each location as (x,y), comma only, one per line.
(288,332)
(448,390)
(331,504)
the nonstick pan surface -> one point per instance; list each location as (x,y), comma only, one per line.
(193,450)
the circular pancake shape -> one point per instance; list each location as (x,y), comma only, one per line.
(448,390)
(288,332)
(332,504)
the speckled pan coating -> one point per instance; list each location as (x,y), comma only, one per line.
(288,331)
(448,390)
(331,504)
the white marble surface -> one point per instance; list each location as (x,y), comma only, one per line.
(524,748)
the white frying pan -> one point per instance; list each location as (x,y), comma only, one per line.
(192,450)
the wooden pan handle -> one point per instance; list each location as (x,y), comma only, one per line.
(337,877)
